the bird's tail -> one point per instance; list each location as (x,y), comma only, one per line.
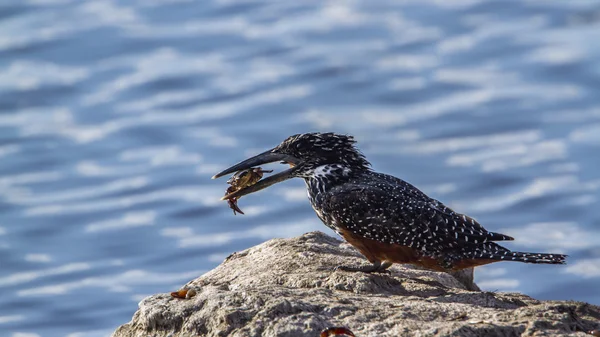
(540,258)
(495,252)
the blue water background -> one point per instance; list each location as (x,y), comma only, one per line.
(115,114)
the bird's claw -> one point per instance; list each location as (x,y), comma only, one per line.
(364,269)
(342,268)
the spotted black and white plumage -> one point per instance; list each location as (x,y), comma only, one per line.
(349,197)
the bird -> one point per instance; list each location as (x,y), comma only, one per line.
(385,218)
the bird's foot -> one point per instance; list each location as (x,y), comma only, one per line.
(363,269)
(372,268)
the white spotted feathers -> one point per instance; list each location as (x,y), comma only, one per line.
(347,195)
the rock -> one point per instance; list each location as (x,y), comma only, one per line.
(288,287)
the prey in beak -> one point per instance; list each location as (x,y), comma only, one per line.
(240,180)
(263,158)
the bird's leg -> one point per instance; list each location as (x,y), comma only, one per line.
(376,267)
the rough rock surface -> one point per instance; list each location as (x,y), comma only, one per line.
(287,287)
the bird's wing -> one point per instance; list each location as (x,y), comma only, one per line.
(455,219)
(400,218)
(464,223)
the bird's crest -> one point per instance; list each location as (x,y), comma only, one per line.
(317,149)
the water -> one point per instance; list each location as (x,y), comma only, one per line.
(114,115)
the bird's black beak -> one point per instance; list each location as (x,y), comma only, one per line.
(263,158)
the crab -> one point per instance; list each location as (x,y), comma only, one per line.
(240,180)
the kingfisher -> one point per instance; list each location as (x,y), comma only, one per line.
(386,218)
